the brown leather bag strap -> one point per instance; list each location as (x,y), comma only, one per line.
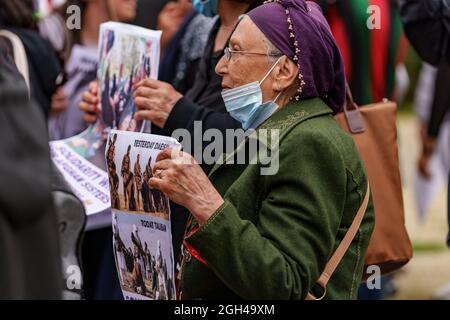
(352,113)
(343,247)
(349,102)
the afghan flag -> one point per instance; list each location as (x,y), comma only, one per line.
(370,52)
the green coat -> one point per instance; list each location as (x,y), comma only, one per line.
(274,234)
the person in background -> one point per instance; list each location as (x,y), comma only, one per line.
(148,12)
(44,68)
(440,108)
(439,111)
(66,120)
(30,267)
(168,108)
(185,42)
(170,19)
(426,26)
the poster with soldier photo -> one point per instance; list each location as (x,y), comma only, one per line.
(142,236)
(127,55)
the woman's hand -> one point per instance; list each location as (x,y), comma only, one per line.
(90,104)
(180,178)
(155,101)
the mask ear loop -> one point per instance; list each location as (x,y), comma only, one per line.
(267,75)
(278,97)
(270,71)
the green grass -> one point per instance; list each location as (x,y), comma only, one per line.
(406,109)
(421,247)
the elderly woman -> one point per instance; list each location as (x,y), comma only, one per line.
(256,236)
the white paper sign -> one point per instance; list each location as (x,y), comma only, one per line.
(88,182)
(127,55)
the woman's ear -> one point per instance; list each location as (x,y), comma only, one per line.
(286,75)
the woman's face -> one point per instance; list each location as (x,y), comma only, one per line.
(124,10)
(242,68)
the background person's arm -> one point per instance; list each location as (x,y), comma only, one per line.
(441,103)
(184,115)
(186,112)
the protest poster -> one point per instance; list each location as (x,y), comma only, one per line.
(142,236)
(88,182)
(126,55)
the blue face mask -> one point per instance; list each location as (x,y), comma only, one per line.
(206,7)
(245,104)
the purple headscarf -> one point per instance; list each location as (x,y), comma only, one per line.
(300,31)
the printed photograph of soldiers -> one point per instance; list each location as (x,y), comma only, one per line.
(142,262)
(129,180)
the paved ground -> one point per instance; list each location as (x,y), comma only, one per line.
(430,267)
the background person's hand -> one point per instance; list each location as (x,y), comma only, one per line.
(180,178)
(59,101)
(424,161)
(90,103)
(155,101)
(428,147)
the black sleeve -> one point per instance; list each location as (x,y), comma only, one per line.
(147,14)
(441,103)
(187,83)
(186,113)
(426,27)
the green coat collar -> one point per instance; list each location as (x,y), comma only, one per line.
(296,112)
(289,116)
